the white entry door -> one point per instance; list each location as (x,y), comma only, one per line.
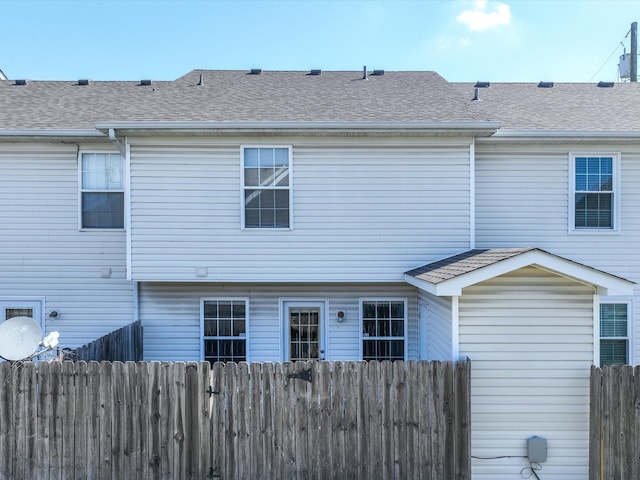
(304,330)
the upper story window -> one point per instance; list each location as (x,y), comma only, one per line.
(384,329)
(101,190)
(614,334)
(266,176)
(595,192)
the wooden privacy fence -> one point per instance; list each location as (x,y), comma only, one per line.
(122,345)
(614,426)
(320,420)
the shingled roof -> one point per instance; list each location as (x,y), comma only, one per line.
(448,276)
(288,96)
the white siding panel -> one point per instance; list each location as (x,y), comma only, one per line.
(522,199)
(529,336)
(438,326)
(170,314)
(43,256)
(359,214)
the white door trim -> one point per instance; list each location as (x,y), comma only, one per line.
(285,304)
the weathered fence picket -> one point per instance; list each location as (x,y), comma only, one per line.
(614,437)
(260,421)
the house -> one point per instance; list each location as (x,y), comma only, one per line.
(271,216)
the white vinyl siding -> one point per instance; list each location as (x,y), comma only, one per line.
(361,214)
(511,212)
(438,327)
(529,335)
(170,315)
(45,257)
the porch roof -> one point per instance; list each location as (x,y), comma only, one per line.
(447,277)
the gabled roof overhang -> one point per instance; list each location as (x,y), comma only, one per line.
(475,129)
(448,277)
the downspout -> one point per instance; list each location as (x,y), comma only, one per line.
(120,146)
(127,206)
(472,194)
(596,329)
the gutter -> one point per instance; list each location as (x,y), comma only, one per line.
(66,133)
(556,136)
(336,128)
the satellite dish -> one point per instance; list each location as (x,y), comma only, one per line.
(19,338)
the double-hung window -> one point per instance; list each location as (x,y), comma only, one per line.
(595,196)
(101,190)
(384,326)
(614,334)
(224,330)
(266,192)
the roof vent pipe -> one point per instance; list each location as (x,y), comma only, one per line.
(201,81)
(364,72)
(475,94)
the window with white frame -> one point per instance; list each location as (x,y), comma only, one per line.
(614,334)
(383,329)
(101,190)
(266,187)
(224,330)
(594,199)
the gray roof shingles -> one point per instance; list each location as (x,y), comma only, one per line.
(464,263)
(288,96)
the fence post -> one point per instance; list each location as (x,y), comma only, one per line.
(463,420)
(596,445)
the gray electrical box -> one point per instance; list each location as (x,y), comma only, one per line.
(537,449)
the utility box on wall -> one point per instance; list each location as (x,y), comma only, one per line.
(537,449)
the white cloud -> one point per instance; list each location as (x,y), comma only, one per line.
(480,19)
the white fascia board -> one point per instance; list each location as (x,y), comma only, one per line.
(62,133)
(515,136)
(421,284)
(567,133)
(605,284)
(480,128)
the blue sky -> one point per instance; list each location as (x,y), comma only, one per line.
(462,40)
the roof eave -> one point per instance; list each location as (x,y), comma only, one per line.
(478,129)
(562,136)
(50,135)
